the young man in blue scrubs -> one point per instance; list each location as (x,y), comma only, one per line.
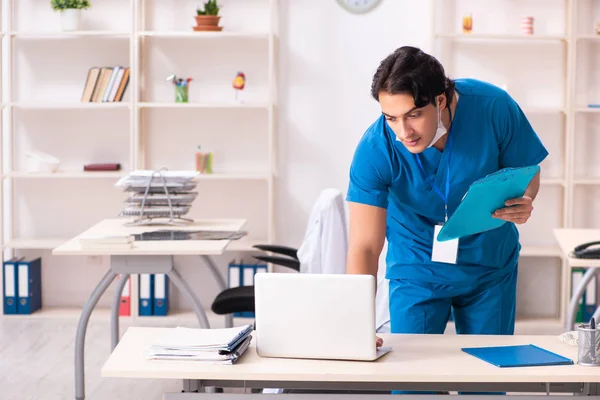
(411,168)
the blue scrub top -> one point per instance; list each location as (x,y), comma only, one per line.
(489,132)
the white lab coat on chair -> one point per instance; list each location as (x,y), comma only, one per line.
(382,299)
(325,245)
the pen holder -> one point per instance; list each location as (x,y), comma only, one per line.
(588,352)
(181,94)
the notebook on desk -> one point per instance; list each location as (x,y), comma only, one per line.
(517,356)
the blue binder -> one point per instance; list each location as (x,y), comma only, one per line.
(241,274)
(161,294)
(9,279)
(145,295)
(517,356)
(486,195)
(29,286)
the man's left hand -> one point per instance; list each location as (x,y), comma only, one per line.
(516,210)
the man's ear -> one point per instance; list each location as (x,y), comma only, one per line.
(441,101)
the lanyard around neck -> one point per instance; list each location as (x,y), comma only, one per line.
(448,149)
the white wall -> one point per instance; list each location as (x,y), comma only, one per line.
(327,60)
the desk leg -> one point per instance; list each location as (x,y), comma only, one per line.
(114,313)
(577,293)
(185,288)
(221,282)
(89,306)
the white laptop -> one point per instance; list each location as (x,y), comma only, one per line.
(319,316)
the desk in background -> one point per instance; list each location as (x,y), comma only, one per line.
(568,239)
(150,257)
(417,362)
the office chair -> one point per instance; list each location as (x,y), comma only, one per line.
(323,250)
(241,298)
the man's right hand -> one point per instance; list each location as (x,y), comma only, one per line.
(379,341)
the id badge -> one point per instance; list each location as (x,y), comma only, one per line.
(445,252)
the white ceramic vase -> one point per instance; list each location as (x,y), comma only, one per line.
(69,19)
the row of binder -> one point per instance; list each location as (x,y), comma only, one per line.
(153,294)
(242,274)
(591,297)
(22,282)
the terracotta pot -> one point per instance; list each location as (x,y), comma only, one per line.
(207,23)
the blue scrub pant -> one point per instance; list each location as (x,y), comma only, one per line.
(482,309)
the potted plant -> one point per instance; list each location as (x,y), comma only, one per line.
(208,18)
(70,12)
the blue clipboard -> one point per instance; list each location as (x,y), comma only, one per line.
(486,195)
(517,356)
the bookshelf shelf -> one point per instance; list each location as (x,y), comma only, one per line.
(34,244)
(71,105)
(67,175)
(234,176)
(541,110)
(589,110)
(587,181)
(498,37)
(68,35)
(100,314)
(204,35)
(540,251)
(202,105)
(553,182)
(588,37)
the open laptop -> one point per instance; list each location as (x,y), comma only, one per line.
(319,316)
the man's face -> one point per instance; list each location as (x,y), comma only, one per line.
(415,127)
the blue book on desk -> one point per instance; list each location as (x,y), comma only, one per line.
(517,356)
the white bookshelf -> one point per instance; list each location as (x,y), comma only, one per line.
(563,54)
(41,110)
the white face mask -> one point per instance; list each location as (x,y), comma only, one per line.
(441,129)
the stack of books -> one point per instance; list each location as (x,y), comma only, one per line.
(105,84)
(160,192)
(218,346)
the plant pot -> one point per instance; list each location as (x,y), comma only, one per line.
(207,23)
(70,19)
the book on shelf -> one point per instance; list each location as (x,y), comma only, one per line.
(105,84)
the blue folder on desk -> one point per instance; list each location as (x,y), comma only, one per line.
(486,195)
(517,356)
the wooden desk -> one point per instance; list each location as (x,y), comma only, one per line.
(417,362)
(568,239)
(143,257)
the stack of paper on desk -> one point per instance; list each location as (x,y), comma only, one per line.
(108,242)
(162,193)
(222,346)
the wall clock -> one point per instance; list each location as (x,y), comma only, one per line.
(358,6)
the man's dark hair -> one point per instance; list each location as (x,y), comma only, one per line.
(411,71)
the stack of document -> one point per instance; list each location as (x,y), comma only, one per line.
(161,192)
(218,346)
(109,242)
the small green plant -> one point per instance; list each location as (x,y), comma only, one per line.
(59,5)
(210,8)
